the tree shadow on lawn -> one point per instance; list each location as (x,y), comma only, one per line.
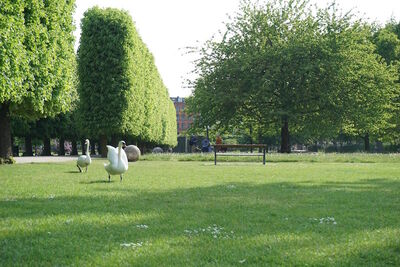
(98,182)
(249,210)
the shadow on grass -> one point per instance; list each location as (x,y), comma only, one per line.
(110,216)
(98,182)
(72,172)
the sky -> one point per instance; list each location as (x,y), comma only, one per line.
(168,27)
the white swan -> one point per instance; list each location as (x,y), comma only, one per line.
(118,161)
(84,160)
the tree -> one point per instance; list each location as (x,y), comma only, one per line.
(121,92)
(387,42)
(284,65)
(36,61)
(371,87)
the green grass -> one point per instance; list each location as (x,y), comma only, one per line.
(198,214)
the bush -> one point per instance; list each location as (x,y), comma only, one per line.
(9,160)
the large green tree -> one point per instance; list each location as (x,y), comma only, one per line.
(370,88)
(286,66)
(36,61)
(387,42)
(121,92)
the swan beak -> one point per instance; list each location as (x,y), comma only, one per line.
(123,144)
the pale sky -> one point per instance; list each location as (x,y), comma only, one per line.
(167,27)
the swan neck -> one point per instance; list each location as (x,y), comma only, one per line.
(119,151)
(87,149)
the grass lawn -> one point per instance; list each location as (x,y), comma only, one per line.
(175,213)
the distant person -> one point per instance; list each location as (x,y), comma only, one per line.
(193,143)
(218,141)
(205,145)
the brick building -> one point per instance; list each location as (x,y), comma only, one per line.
(183,120)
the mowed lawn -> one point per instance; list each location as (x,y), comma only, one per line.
(171,213)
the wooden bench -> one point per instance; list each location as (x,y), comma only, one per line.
(224,146)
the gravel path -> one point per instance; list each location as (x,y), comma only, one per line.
(45,159)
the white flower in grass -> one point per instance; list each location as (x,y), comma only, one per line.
(242,261)
(215,231)
(132,245)
(327,220)
(142,226)
(68,221)
(52,196)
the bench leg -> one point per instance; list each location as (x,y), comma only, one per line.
(263,156)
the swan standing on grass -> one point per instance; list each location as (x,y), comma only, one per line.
(118,161)
(84,160)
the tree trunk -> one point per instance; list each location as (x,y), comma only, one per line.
(61,149)
(114,141)
(366,143)
(142,148)
(379,147)
(14,150)
(46,147)
(83,146)
(5,131)
(93,148)
(74,151)
(285,142)
(335,145)
(251,138)
(103,146)
(28,146)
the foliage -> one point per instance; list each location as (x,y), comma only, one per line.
(282,214)
(121,92)
(387,42)
(370,88)
(37,56)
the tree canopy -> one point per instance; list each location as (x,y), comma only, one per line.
(387,42)
(287,66)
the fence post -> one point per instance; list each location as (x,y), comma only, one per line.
(215,155)
(264,156)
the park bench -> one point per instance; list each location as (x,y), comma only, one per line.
(218,147)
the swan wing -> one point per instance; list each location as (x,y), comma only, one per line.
(124,158)
(81,161)
(88,159)
(112,155)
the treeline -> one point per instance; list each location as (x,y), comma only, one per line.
(110,90)
(286,68)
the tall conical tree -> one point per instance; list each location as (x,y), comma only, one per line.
(121,92)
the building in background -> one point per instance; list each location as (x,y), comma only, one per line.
(183,120)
